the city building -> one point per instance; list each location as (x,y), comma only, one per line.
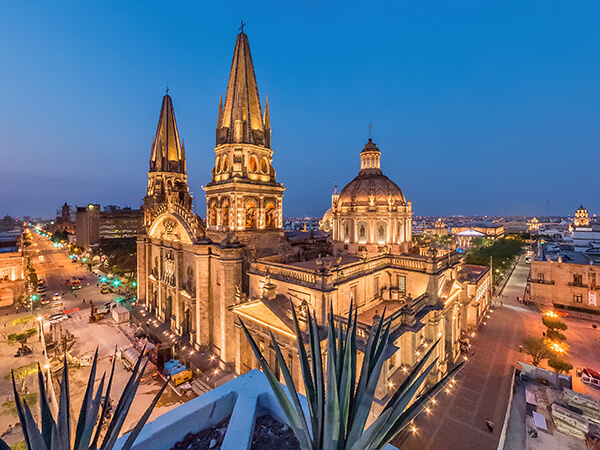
(94,225)
(584,234)
(242,266)
(565,281)
(64,220)
(439,229)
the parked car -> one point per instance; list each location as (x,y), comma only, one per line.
(24,351)
(589,376)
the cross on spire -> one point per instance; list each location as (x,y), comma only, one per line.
(242,26)
(369,127)
(167,88)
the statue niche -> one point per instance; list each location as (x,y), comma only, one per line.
(250,215)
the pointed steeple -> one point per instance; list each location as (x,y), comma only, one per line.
(168,155)
(242,118)
(267,124)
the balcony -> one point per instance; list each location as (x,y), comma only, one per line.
(538,281)
(578,284)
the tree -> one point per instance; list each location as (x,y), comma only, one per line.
(560,365)
(537,349)
(21,338)
(553,323)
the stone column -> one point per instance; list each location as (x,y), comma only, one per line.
(231,275)
(203,298)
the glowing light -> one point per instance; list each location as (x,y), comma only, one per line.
(428,410)
(404,369)
(413,429)
(433,401)
(390,384)
(46,366)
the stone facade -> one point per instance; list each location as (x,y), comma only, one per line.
(554,284)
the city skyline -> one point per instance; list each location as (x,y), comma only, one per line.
(478,111)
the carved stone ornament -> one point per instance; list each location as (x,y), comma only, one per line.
(169,267)
(170,226)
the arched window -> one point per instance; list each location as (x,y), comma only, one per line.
(225,215)
(270,216)
(381,232)
(250,215)
(253,164)
(225,164)
(213,215)
(217,165)
(264,165)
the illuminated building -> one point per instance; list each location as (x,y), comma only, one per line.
(202,279)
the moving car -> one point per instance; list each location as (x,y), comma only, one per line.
(56,296)
(44,299)
(104,290)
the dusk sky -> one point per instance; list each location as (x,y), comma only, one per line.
(478,107)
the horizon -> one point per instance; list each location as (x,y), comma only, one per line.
(477,111)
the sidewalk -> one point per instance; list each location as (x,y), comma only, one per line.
(204,364)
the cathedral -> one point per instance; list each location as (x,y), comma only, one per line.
(203,277)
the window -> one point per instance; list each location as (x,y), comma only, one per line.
(592,278)
(353,294)
(541,277)
(577,279)
(577,298)
(376,286)
(402,283)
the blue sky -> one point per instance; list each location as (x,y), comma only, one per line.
(478,107)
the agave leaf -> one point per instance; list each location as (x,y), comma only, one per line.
(138,427)
(35,437)
(45,413)
(86,404)
(413,410)
(20,411)
(63,421)
(317,369)
(57,443)
(123,400)
(380,426)
(104,404)
(413,373)
(365,400)
(306,373)
(331,426)
(348,370)
(124,404)
(4,445)
(289,382)
(92,417)
(301,432)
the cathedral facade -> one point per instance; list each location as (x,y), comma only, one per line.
(203,278)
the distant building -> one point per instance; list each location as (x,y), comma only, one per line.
(584,234)
(11,258)
(439,229)
(88,225)
(120,223)
(489,230)
(64,220)
(112,223)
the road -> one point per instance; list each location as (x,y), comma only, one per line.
(56,269)
(457,420)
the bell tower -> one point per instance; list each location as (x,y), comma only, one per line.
(167,177)
(243,196)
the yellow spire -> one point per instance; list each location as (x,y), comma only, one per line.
(168,155)
(242,118)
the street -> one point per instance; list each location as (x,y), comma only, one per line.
(56,269)
(457,420)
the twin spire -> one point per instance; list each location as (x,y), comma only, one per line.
(168,153)
(240,119)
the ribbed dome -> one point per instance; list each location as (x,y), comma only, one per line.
(370,188)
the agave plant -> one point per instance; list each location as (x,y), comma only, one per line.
(93,415)
(340,399)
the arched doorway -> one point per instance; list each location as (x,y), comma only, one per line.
(186,324)
(168,308)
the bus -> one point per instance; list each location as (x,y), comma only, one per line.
(75,283)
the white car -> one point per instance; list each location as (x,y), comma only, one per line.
(56,296)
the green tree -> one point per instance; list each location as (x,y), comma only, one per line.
(537,349)
(560,365)
(21,338)
(553,323)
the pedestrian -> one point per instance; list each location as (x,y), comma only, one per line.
(490,425)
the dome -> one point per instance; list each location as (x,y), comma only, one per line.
(371,189)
